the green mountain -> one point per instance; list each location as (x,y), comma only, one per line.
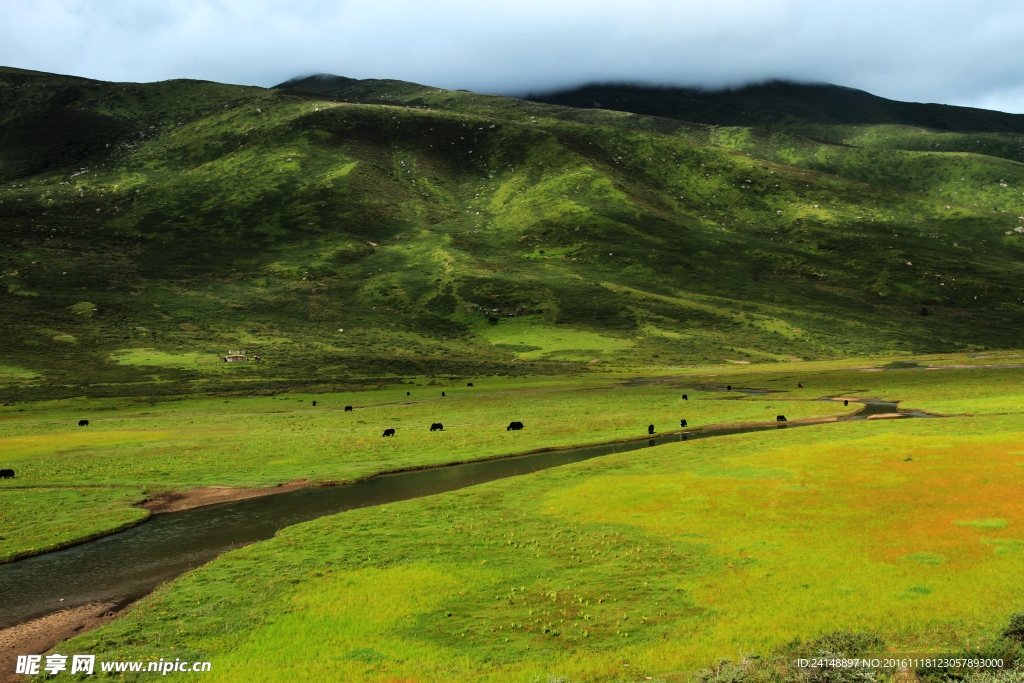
(347,229)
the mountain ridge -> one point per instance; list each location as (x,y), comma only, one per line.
(779,102)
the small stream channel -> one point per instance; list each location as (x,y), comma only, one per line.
(127,565)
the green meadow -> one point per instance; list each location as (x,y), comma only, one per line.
(647,565)
(135,447)
(181,443)
(38,519)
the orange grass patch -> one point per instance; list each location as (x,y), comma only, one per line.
(855,534)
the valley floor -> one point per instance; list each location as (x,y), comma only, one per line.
(650,564)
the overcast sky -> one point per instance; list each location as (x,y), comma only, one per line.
(954,52)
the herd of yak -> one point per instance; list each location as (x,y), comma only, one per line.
(438,427)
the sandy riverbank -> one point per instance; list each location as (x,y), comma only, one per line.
(40,635)
(175,501)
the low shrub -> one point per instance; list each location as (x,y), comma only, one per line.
(1015,629)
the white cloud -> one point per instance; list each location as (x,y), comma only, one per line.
(955,52)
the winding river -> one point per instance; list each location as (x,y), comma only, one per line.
(127,565)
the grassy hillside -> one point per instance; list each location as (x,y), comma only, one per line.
(383,228)
(776,117)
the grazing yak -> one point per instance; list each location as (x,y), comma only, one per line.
(6,474)
(846,403)
(348,408)
(388,432)
(437,427)
(728,387)
(469,384)
(314,404)
(442,393)
(799,385)
(650,429)
(685,397)
(514,426)
(780,418)
(682,423)
(83,423)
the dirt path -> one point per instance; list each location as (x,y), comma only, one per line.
(175,501)
(40,635)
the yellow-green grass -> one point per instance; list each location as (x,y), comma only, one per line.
(947,388)
(40,519)
(998,358)
(540,341)
(266,440)
(259,440)
(156,358)
(262,441)
(663,560)
(952,391)
(10,374)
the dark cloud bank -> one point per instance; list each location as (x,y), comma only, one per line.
(963,53)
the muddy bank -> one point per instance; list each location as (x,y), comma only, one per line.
(170,501)
(40,635)
(175,501)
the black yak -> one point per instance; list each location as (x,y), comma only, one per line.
(514,426)
(388,432)
(437,427)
